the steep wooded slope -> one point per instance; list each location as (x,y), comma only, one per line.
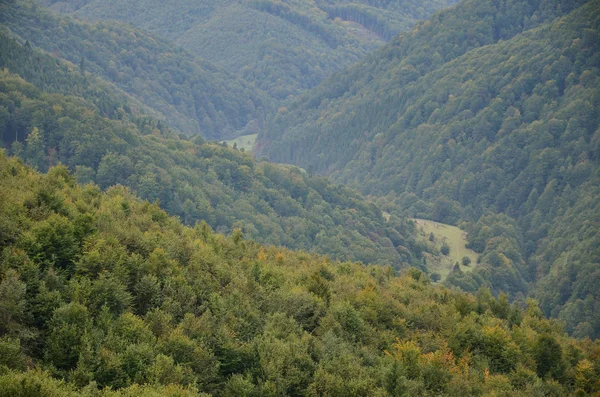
(191,94)
(486,113)
(70,118)
(282,46)
(105,295)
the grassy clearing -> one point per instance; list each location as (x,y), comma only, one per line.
(245,142)
(455,238)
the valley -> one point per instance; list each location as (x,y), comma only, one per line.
(456,241)
(476,131)
(299,198)
(244,142)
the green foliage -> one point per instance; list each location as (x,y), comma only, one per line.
(191,179)
(549,357)
(191,94)
(486,114)
(11,355)
(12,303)
(227,316)
(66,335)
(40,384)
(281,47)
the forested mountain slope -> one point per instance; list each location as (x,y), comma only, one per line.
(192,95)
(488,113)
(102,294)
(63,116)
(282,46)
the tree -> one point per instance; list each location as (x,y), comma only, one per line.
(108,292)
(548,357)
(53,242)
(66,339)
(12,303)
(113,169)
(10,354)
(445,249)
(34,150)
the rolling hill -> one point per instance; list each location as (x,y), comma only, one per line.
(103,294)
(139,260)
(59,115)
(283,47)
(190,94)
(487,113)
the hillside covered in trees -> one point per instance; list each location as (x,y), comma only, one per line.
(485,117)
(59,115)
(283,47)
(487,113)
(191,94)
(102,294)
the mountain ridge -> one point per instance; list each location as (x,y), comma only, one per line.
(193,95)
(283,48)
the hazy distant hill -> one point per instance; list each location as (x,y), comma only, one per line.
(487,113)
(191,94)
(282,46)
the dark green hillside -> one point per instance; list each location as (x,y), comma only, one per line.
(372,95)
(282,47)
(57,76)
(99,137)
(487,113)
(191,94)
(102,294)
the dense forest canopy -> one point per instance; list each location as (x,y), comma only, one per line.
(191,94)
(63,116)
(487,113)
(284,47)
(105,295)
(142,256)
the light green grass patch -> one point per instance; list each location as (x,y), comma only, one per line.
(455,238)
(245,142)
